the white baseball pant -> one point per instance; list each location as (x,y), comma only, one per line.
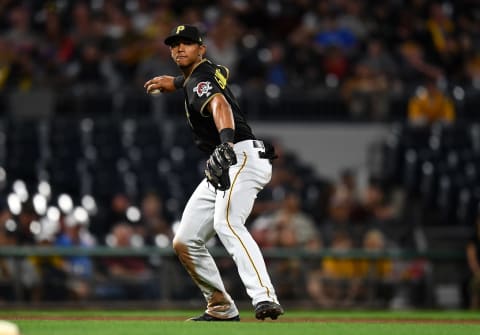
(208,212)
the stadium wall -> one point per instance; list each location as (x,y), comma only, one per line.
(329,147)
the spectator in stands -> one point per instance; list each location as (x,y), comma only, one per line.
(222,42)
(442,40)
(92,71)
(341,209)
(374,275)
(15,271)
(52,269)
(23,233)
(413,65)
(353,19)
(157,61)
(154,222)
(331,284)
(472,71)
(366,93)
(380,61)
(335,64)
(17,70)
(291,227)
(116,213)
(20,32)
(301,60)
(376,207)
(126,277)
(473,259)
(79,269)
(333,34)
(344,281)
(430,105)
(276,69)
(56,49)
(7,56)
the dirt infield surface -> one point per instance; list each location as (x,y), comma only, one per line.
(250,319)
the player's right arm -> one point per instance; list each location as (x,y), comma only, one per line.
(164,84)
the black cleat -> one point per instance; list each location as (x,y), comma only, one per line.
(268,309)
(208,317)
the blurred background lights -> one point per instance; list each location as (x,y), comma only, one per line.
(110,240)
(65,203)
(3,175)
(80,215)
(53,213)
(14,203)
(177,154)
(476,83)
(162,241)
(20,188)
(45,189)
(49,228)
(265,55)
(331,80)
(35,227)
(272,91)
(40,204)
(133,214)
(88,202)
(458,93)
(137,241)
(249,41)
(11,225)
(86,125)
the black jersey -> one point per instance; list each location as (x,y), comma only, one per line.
(206,81)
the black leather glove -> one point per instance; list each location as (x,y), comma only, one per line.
(218,165)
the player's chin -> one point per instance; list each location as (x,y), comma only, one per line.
(183,63)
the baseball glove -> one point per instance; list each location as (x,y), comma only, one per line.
(218,165)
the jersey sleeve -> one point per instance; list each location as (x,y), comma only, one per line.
(200,90)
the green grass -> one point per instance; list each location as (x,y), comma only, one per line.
(85,322)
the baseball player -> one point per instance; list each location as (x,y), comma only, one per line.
(238,168)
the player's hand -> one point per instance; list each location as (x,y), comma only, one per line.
(218,165)
(160,84)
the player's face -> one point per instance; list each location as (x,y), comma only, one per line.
(186,53)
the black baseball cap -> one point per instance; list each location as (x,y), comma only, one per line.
(184,31)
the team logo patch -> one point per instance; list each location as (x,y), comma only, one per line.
(203,88)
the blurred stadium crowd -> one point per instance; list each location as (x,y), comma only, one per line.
(350,50)
(104,164)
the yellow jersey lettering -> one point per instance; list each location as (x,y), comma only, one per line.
(220,78)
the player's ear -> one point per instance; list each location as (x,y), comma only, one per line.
(203,50)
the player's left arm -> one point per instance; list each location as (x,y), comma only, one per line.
(218,165)
(222,114)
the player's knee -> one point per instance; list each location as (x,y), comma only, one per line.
(179,245)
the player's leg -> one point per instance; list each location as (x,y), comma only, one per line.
(248,177)
(196,228)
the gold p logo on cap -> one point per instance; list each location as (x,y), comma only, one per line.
(179,29)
